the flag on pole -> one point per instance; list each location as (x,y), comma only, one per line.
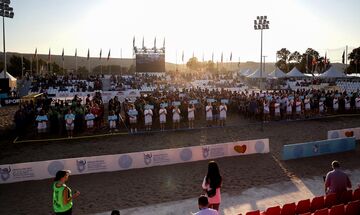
(343,57)
(35,55)
(108,55)
(49,57)
(182,57)
(134,42)
(62,55)
(143,45)
(75,52)
(155,43)
(88,55)
(100,54)
(222,57)
(230,56)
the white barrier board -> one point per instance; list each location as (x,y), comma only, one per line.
(342,133)
(10,173)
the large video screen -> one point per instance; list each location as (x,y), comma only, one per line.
(150,62)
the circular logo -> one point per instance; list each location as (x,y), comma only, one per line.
(186,154)
(54,167)
(125,161)
(334,135)
(298,151)
(259,146)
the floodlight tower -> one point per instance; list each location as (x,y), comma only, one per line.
(261,23)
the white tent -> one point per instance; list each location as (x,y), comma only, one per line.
(245,72)
(277,73)
(256,74)
(295,73)
(332,72)
(12,79)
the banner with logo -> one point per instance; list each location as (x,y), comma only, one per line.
(316,148)
(10,173)
(347,132)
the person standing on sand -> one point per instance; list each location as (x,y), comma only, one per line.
(211,184)
(62,195)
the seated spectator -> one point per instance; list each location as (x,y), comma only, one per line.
(336,181)
(204,207)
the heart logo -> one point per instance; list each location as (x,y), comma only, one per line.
(240,149)
(349,134)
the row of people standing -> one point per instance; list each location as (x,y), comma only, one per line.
(213,113)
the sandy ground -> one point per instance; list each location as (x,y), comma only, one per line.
(133,188)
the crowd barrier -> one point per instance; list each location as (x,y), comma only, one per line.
(316,148)
(347,132)
(10,173)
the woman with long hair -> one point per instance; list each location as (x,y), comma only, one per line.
(211,184)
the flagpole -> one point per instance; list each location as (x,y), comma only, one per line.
(76,63)
(37,64)
(22,65)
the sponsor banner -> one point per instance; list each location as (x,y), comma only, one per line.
(106,95)
(311,149)
(10,173)
(347,132)
(10,101)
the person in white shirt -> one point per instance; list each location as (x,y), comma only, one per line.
(266,110)
(112,118)
(335,104)
(307,106)
(321,107)
(347,104)
(289,106)
(357,103)
(176,117)
(191,115)
(162,117)
(209,115)
(298,105)
(89,118)
(148,113)
(277,110)
(42,120)
(133,118)
(223,110)
(204,209)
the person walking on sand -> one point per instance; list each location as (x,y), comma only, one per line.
(211,184)
(62,195)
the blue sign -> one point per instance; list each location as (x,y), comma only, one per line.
(316,148)
(133,112)
(176,103)
(147,107)
(194,102)
(225,101)
(211,100)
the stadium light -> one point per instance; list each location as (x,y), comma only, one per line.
(261,23)
(5,11)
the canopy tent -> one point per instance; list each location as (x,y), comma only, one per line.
(245,72)
(277,73)
(332,72)
(295,73)
(12,79)
(256,74)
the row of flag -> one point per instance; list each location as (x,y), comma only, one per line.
(212,57)
(63,54)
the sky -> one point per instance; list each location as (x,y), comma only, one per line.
(201,27)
